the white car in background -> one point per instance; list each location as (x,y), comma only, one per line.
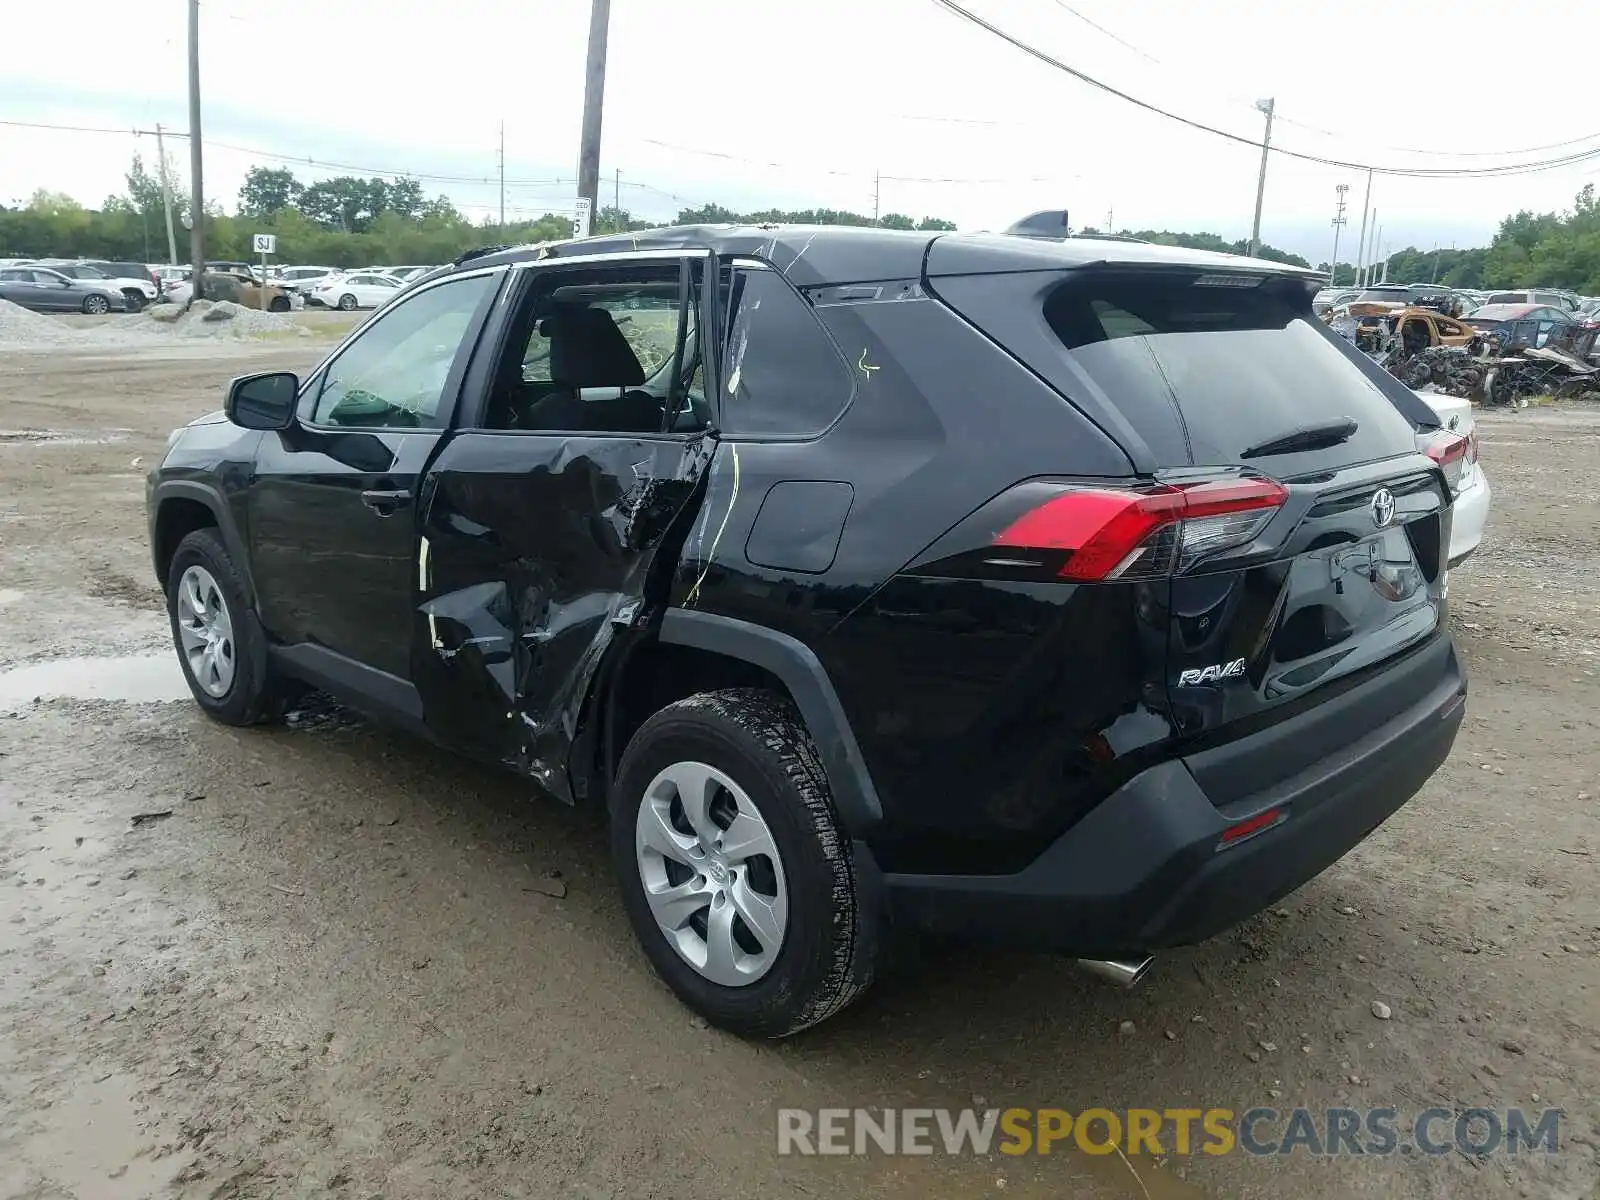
(304,279)
(358,290)
(407,274)
(1470,512)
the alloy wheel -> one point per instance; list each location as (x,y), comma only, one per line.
(206,629)
(712,874)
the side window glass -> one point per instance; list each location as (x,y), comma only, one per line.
(393,375)
(594,351)
(782,373)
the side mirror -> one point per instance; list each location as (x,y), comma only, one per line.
(264,401)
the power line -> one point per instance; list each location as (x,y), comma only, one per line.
(1063,5)
(758,162)
(1411,172)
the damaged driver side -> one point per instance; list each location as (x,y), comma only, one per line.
(544,513)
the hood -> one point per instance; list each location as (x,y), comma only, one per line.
(210,418)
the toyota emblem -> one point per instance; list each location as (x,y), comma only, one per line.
(1382,508)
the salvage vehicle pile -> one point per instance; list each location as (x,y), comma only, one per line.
(1503,362)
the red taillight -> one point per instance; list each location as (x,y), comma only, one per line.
(1447,449)
(1142,533)
(1236,833)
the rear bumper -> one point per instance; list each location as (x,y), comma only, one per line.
(1468,515)
(1143,870)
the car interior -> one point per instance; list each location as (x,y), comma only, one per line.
(612,352)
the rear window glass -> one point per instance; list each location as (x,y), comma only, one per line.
(1205,372)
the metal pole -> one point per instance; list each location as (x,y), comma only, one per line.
(1381,262)
(166,199)
(1265,106)
(197,192)
(877,182)
(1338,227)
(502,174)
(1361,247)
(594,91)
(616,192)
(1435,277)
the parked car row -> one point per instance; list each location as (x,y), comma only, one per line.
(94,285)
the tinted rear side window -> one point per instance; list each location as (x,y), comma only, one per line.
(1223,368)
(783,375)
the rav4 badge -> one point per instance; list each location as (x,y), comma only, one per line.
(1212,674)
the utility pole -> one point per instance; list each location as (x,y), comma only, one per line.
(877,181)
(1338,226)
(1435,276)
(616,191)
(1377,245)
(1266,106)
(197,191)
(166,198)
(502,175)
(594,92)
(1360,253)
(1111,226)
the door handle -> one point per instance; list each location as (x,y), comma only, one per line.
(385,503)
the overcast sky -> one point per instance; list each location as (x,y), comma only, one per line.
(796,103)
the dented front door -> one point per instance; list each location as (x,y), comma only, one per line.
(534,551)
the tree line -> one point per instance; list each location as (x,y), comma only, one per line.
(1557,250)
(344,221)
(350,221)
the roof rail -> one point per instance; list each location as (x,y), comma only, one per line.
(478,253)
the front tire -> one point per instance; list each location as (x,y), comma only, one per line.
(734,871)
(134,300)
(96,305)
(220,644)
(347,303)
(279,304)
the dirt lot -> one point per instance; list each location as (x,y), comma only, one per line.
(333,970)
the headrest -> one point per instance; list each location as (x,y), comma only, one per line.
(588,350)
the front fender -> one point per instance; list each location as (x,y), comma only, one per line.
(162,493)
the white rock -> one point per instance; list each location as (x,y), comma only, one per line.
(1381,1010)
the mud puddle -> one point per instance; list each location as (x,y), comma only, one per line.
(135,679)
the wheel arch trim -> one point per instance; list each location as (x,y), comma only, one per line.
(802,673)
(222,515)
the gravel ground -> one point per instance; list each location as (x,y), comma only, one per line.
(334,968)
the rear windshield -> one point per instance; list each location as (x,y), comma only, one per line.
(1508,298)
(1204,371)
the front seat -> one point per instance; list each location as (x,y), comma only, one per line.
(587,350)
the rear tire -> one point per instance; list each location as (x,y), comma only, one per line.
(347,303)
(134,299)
(220,643)
(766,776)
(280,304)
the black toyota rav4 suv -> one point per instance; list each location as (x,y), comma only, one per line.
(1078,595)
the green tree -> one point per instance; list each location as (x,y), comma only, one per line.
(267,191)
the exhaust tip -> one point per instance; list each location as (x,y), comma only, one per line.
(1122,972)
